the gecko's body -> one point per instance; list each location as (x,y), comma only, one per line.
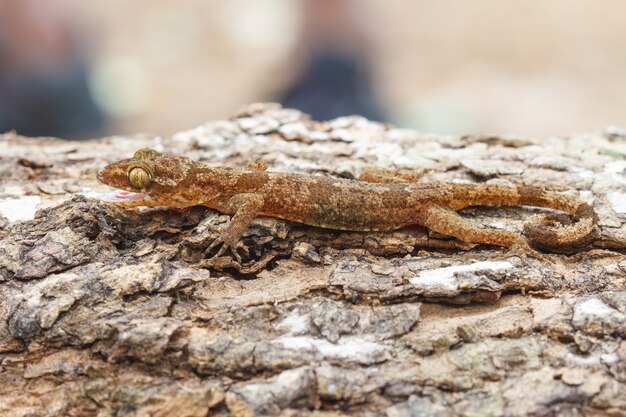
(155,179)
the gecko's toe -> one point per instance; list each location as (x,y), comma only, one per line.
(221,251)
(215,244)
(236,254)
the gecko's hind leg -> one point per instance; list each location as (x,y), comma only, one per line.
(449,222)
(389,176)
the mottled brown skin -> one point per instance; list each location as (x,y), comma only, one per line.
(382,202)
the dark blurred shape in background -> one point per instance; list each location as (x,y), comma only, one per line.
(335,76)
(333,85)
(43,84)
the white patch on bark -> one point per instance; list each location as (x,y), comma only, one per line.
(295,323)
(444,278)
(594,307)
(618,201)
(22,208)
(352,349)
(615,167)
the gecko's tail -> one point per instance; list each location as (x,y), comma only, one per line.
(557,231)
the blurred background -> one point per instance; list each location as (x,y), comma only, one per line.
(86,68)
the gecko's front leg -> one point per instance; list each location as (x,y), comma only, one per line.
(246,207)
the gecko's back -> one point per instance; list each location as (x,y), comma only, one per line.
(343,204)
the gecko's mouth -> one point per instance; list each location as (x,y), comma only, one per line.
(122,196)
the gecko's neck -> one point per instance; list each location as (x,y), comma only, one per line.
(228,181)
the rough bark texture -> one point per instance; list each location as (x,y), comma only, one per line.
(114,312)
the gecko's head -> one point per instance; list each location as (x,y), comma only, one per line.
(151,178)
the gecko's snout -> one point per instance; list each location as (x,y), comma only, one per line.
(100,175)
(104,176)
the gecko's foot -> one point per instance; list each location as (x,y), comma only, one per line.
(226,245)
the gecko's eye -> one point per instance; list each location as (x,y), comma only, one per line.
(139,177)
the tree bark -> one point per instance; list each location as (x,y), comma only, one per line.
(114,312)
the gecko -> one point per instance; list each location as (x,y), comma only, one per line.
(376,202)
